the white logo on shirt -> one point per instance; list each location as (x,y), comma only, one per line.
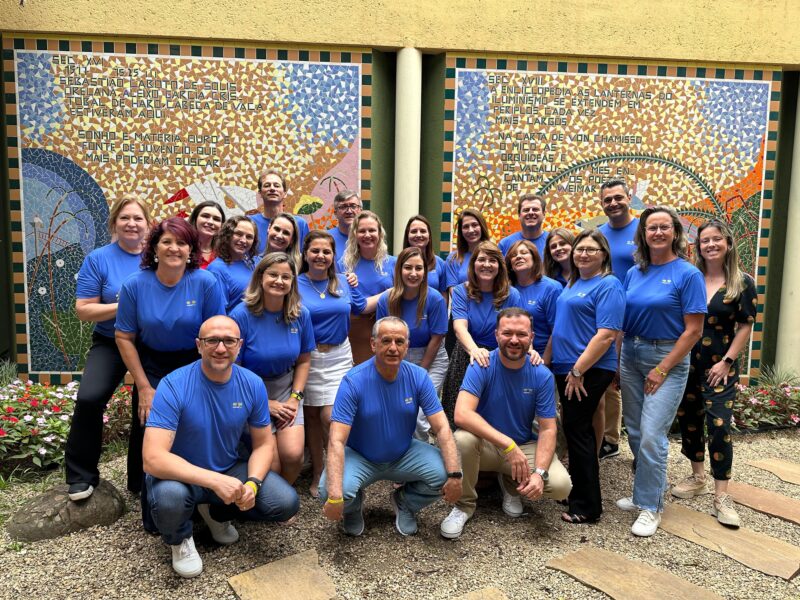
(666,281)
(532,302)
(630,243)
(527,390)
(581,294)
(409,400)
(237,405)
(191,303)
(293,330)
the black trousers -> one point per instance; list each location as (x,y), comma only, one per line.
(102,375)
(584,467)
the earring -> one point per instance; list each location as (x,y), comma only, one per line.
(155,259)
(188,260)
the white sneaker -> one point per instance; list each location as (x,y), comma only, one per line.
(453,526)
(512,505)
(626,504)
(185,560)
(646,524)
(222,531)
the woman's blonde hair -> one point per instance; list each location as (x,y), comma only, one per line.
(254,296)
(735,278)
(352,253)
(116,208)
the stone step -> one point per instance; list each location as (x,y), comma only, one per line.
(783,469)
(770,503)
(296,577)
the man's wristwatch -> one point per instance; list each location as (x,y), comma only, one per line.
(542,473)
(256,481)
(455,475)
(298,395)
(575,373)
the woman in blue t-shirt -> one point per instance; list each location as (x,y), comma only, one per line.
(367,256)
(331,301)
(207,218)
(425,312)
(714,373)
(584,362)
(278,338)
(97,290)
(235,247)
(283,235)
(159,315)
(474,307)
(665,303)
(418,234)
(471,230)
(558,255)
(537,291)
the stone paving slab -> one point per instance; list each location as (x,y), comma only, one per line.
(765,501)
(783,469)
(296,577)
(489,593)
(755,550)
(625,579)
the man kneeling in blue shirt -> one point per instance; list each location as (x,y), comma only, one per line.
(371,437)
(495,411)
(190,449)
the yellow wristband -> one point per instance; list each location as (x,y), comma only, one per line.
(510,448)
(334,500)
(659,371)
(252,485)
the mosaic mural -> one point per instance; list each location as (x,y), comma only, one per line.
(176,124)
(701,140)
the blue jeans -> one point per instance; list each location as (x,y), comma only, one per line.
(172,503)
(420,468)
(648,417)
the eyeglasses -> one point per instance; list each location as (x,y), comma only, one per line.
(656,228)
(587,250)
(279,276)
(213,342)
(349,207)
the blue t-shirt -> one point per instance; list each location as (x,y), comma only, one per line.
(622,246)
(168,318)
(508,241)
(372,281)
(101,276)
(481,316)
(330,315)
(233,279)
(262,224)
(559,279)
(589,305)
(437,279)
(208,417)
(539,299)
(456,272)
(656,301)
(271,346)
(341,241)
(434,317)
(510,399)
(383,414)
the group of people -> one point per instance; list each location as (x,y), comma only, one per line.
(321,340)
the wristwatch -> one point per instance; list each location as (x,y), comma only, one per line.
(257,481)
(542,473)
(575,373)
(297,394)
(728,360)
(455,475)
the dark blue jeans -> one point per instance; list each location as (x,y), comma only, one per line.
(172,503)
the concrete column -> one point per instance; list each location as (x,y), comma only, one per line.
(786,354)
(408,125)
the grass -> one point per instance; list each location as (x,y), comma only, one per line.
(8,372)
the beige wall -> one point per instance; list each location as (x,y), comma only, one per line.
(741,31)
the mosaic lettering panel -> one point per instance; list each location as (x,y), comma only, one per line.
(89,121)
(701,140)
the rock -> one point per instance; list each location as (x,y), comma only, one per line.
(53,514)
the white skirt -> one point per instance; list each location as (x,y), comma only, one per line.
(325,374)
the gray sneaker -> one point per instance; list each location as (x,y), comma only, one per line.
(405,521)
(353,522)
(223,532)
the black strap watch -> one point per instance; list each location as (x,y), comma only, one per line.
(257,481)
(455,475)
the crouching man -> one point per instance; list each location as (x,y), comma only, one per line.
(371,437)
(190,449)
(495,411)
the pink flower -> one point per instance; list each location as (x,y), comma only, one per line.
(2,432)
(795,419)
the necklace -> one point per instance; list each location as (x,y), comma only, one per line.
(322,293)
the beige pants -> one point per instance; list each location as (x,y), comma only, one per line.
(613,415)
(479,455)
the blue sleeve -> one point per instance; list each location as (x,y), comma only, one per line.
(441,272)
(357,301)
(428,399)
(307,343)
(383,306)
(340,266)
(223,280)
(90,280)
(259,415)
(239,315)
(127,320)
(628,277)
(514,298)
(693,293)
(475,379)
(609,304)
(545,395)
(459,303)
(550,299)
(165,412)
(345,404)
(451,269)
(437,314)
(214,301)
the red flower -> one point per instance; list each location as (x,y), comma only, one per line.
(34,403)
(34,431)
(12,419)
(9,409)
(56,408)
(773,403)
(45,402)
(2,432)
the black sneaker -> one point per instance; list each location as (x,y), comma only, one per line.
(607,450)
(80,491)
